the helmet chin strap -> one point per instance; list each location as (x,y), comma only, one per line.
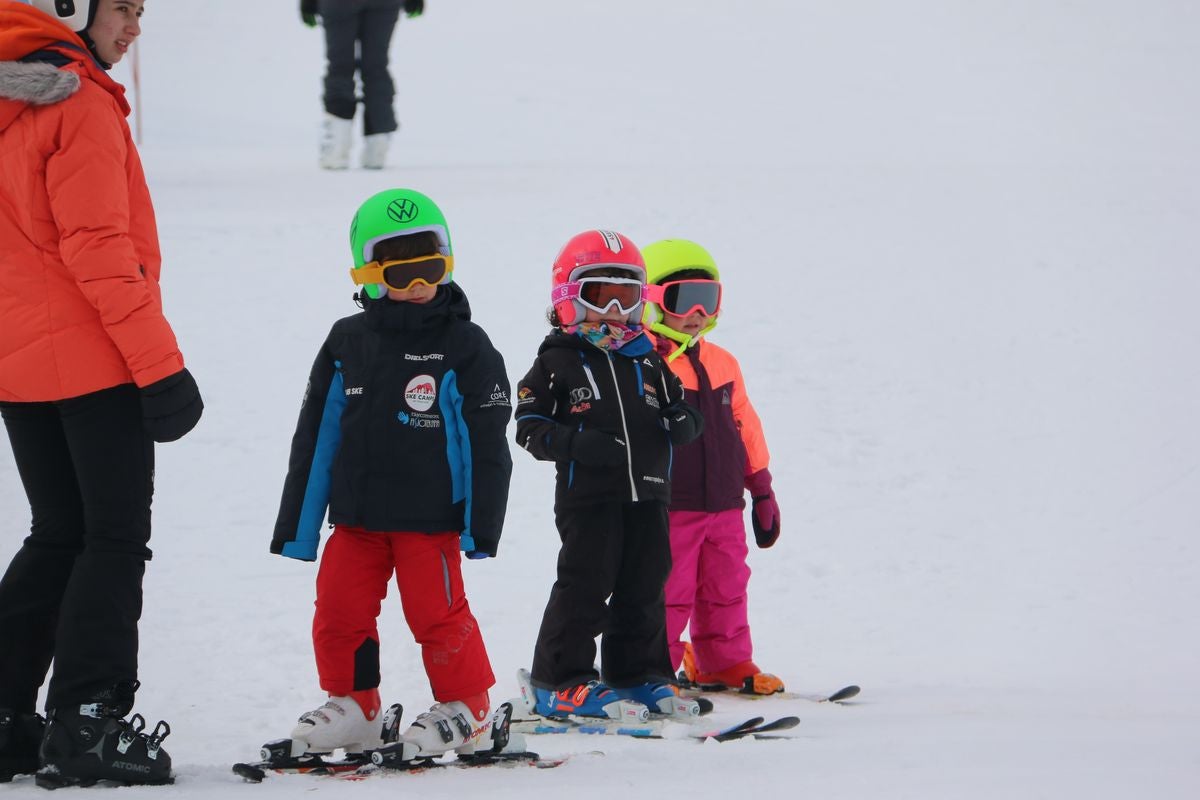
(91,46)
(684,340)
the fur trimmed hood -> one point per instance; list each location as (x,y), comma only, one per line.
(35,46)
(36,84)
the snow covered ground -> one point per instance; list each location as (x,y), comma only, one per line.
(959,243)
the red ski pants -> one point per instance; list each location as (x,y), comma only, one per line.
(351,584)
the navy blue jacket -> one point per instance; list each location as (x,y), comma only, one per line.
(402,429)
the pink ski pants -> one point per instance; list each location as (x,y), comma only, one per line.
(707,588)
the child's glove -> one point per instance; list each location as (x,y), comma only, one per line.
(597,449)
(171,407)
(414,8)
(764,514)
(308,12)
(683,423)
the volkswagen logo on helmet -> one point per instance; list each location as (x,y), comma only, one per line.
(403,210)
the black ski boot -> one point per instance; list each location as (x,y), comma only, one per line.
(90,743)
(20,736)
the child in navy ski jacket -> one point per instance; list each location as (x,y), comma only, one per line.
(402,437)
(599,403)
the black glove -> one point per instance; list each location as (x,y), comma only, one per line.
(683,423)
(308,12)
(414,8)
(171,407)
(598,449)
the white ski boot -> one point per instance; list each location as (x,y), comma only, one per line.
(375,148)
(336,134)
(339,724)
(446,727)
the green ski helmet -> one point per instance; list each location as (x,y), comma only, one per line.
(391,213)
(664,259)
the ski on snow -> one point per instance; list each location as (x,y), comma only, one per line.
(535,724)
(630,718)
(394,756)
(840,696)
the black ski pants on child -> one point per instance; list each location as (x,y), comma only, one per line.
(358,34)
(612,570)
(73,592)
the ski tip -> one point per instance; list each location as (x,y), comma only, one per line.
(249,773)
(845,693)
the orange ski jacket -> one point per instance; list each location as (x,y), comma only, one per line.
(709,474)
(80,308)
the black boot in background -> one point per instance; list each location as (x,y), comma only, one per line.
(92,742)
(20,737)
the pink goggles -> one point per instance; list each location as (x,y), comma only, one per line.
(681,298)
(602,293)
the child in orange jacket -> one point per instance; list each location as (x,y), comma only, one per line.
(708,583)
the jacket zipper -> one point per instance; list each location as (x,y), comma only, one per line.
(624,427)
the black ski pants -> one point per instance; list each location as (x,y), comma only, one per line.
(73,592)
(612,570)
(358,34)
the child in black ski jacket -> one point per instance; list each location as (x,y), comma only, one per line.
(599,403)
(402,437)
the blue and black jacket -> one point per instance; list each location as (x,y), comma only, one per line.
(575,386)
(402,429)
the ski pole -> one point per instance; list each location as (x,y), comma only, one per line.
(137,97)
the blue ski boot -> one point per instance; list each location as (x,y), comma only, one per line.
(591,699)
(660,698)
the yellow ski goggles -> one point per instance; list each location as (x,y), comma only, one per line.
(405,273)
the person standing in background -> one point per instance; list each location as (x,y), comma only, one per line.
(358,34)
(90,377)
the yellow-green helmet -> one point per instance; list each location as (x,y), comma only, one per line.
(664,259)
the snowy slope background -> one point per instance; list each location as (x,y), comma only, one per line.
(959,242)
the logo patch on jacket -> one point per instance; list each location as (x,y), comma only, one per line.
(420,393)
(498,397)
(418,420)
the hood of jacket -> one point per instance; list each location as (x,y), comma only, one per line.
(42,62)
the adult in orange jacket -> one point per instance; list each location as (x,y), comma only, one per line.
(90,377)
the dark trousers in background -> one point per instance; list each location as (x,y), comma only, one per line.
(617,550)
(367,24)
(73,592)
